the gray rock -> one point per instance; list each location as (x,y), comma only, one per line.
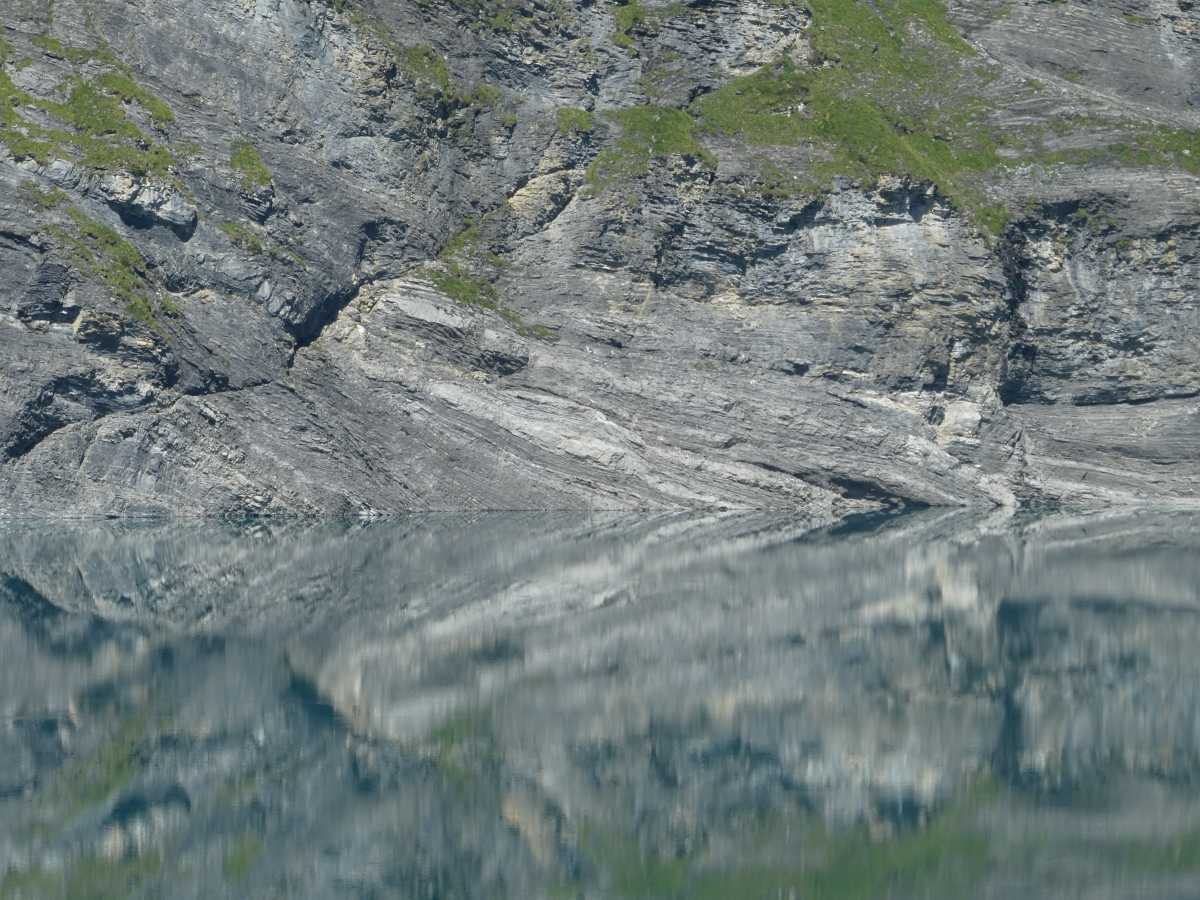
(684,340)
(139,203)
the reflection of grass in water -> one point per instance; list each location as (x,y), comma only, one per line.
(93,779)
(1179,854)
(459,730)
(944,859)
(463,746)
(241,856)
(1111,852)
(237,789)
(634,874)
(90,878)
(941,860)
(87,781)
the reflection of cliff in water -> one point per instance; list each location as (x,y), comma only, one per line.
(602,706)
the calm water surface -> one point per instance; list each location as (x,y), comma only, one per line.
(528,706)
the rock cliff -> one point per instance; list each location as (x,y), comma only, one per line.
(361,256)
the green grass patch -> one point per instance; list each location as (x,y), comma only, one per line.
(45,200)
(899,92)
(894,98)
(573,120)
(625,19)
(1154,146)
(93,111)
(512,16)
(647,133)
(22,140)
(463,746)
(634,874)
(464,242)
(467,275)
(485,96)
(1138,146)
(762,108)
(76,55)
(243,237)
(286,255)
(946,859)
(425,65)
(104,254)
(246,238)
(470,246)
(93,126)
(504,20)
(120,85)
(632,16)
(462,286)
(246,161)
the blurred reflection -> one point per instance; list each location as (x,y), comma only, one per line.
(726,706)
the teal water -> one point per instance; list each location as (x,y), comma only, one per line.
(564,706)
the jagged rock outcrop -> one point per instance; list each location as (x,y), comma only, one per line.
(345,256)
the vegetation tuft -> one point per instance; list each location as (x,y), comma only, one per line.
(467,276)
(246,238)
(243,237)
(892,97)
(647,133)
(424,66)
(626,18)
(632,16)
(46,200)
(246,161)
(573,120)
(896,91)
(118,84)
(104,254)
(91,123)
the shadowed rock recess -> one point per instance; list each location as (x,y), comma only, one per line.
(363,256)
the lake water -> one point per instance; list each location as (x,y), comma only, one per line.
(563,706)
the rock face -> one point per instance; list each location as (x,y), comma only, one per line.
(346,256)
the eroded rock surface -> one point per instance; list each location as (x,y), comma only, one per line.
(361,257)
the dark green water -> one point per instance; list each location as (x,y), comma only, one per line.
(564,706)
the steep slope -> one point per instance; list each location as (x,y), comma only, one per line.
(360,256)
